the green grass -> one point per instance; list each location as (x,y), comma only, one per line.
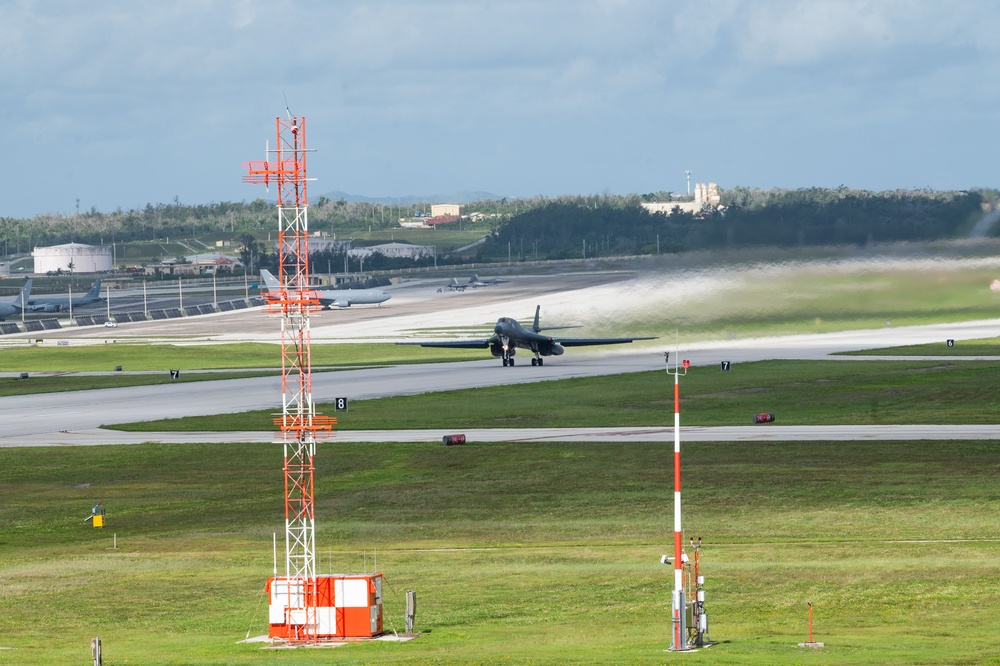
(103,358)
(986,347)
(797,392)
(536,554)
(55,384)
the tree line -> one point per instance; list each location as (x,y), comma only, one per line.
(553,227)
(747,218)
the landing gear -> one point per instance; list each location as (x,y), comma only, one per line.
(508,351)
(537,361)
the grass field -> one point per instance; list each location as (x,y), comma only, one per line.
(797,392)
(538,554)
(103,358)
(545,553)
(58,383)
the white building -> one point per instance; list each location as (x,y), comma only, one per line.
(394,250)
(441,210)
(85,258)
(706,196)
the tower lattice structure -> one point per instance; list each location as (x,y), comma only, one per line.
(298,424)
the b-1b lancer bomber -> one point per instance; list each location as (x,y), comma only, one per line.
(509,335)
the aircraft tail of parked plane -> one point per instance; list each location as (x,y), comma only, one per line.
(16,305)
(334,298)
(509,335)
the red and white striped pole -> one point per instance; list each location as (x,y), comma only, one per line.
(678,601)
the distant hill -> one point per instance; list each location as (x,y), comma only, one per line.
(458,197)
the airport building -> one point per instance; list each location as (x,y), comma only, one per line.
(85,258)
(445,210)
(706,196)
(394,250)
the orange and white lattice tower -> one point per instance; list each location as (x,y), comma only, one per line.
(298,424)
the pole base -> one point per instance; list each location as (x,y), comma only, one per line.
(812,644)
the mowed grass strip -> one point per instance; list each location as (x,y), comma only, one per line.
(42,383)
(984,347)
(797,392)
(537,554)
(103,358)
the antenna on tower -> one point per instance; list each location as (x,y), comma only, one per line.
(287,111)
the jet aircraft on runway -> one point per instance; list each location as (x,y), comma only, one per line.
(13,306)
(482,282)
(474,282)
(454,285)
(47,303)
(509,335)
(331,298)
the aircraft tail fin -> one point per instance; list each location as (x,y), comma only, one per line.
(270,281)
(24,294)
(95,291)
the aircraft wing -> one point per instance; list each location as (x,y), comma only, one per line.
(454,344)
(583,342)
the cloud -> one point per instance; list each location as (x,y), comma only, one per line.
(509,96)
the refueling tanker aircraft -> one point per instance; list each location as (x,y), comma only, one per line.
(335,298)
(509,335)
(53,303)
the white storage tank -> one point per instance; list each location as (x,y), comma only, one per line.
(85,258)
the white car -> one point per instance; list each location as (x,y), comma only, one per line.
(110,324)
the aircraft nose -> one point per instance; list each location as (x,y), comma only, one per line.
(498,329)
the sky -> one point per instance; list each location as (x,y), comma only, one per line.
(123,103)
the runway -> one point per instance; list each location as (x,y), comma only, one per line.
(49,419)
(695,434)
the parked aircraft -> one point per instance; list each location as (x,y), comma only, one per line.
(474,282)
(477,281)
(454,285)
(13,306)
(509,335)
(51,303)
(331,298)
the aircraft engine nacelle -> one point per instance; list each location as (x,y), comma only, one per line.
(339,304)
(49,307)
(550,349)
